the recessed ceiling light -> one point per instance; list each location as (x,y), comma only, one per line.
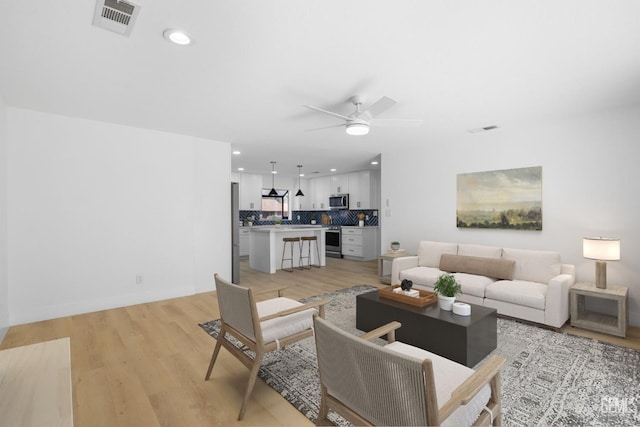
(301,174)
(240,169)
(374,163)
(332,169)
(236,152)
(177,36)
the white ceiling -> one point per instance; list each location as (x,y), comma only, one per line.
(457,65)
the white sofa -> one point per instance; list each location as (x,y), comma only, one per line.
(525,284)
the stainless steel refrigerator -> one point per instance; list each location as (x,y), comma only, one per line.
(235,233)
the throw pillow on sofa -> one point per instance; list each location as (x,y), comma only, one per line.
(489,267)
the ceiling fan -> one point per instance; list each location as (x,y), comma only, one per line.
(358,122)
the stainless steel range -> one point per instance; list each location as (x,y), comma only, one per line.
(333,242)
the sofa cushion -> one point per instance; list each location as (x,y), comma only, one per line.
(448,375)
(534,266)
(490,267)
(480,250)
(519,292)
(473,284)
(425,276)
(429,252)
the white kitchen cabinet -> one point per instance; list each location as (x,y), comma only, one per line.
(319,189)
(363,190)
(360,243)
(339,184)
(250,191)
(244,242)
(361,186)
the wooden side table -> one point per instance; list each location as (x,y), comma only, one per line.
(582,318)
(386,278)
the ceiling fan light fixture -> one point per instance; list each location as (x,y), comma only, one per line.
(357,129)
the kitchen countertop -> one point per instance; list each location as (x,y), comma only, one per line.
(269,229)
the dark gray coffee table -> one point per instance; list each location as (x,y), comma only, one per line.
(464,339)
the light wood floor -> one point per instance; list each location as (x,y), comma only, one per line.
(144,365)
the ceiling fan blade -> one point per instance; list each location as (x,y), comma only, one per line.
(326,127)
(331,113)
(380,106)
(406,123)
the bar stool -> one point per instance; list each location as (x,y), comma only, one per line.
(308,239)
(289,240)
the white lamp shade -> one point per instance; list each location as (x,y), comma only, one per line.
(601,248)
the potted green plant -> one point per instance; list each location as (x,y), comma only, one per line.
(278,222)
(395,245)
(447,287)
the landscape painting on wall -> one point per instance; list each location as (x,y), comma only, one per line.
(507,199)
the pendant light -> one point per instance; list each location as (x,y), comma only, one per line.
(299,193)
(273,192)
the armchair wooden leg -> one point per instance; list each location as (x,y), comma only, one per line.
(253,375)
(324,409)
(214,356)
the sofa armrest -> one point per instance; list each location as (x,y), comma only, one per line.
(568,269)
(399,264)
(556,310)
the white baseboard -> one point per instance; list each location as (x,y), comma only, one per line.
(36,314)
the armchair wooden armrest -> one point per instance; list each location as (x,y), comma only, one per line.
(266,291)
(468,389)
(319,304)
(389,330)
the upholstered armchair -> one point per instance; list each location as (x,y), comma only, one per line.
(398,384)
(259,326)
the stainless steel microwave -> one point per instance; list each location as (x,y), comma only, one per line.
(339,201)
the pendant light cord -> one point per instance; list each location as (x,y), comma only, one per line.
(299,193)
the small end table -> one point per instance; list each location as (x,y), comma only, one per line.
(582,318)
(386,278)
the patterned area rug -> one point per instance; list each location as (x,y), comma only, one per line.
(550,378)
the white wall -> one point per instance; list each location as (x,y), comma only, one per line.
(93,205)
(591,182)
(4,287)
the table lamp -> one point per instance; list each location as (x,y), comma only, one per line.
(601,249)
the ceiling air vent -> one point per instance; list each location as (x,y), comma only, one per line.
(483,129)
(116,15)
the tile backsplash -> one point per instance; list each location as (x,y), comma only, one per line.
(338,217)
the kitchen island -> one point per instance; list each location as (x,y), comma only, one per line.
(265,246)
